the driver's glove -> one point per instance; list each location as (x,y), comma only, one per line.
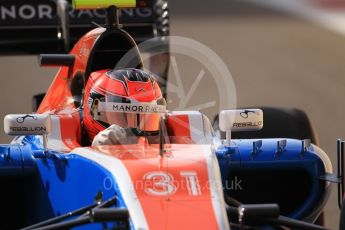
(113,135)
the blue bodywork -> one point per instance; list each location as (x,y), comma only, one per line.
(290,178)
(57,183)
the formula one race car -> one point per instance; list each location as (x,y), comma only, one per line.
(183,178)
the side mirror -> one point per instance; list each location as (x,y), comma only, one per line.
(27,124)
(240,120)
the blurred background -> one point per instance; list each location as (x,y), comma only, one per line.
(288,54)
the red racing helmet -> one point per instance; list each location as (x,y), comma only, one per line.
(130,98)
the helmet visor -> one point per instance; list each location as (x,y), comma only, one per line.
(143,116)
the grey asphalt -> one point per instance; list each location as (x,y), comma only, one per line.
(275,60)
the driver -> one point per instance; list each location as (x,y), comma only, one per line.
(121,103)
